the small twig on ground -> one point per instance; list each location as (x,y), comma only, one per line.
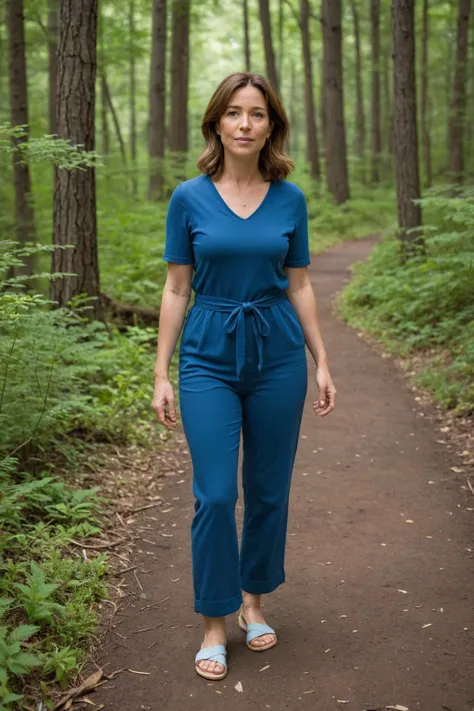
(126,570)
(97,546)
(470,486)
(143,508)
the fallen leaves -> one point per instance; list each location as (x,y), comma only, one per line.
(239,687)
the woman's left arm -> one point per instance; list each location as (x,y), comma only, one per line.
(301,295)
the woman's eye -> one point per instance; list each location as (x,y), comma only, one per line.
(231,113)
(259,114)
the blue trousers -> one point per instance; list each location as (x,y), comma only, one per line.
(229,388)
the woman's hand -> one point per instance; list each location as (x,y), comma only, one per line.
(327,393)
(163,403)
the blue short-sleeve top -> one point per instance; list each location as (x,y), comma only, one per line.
(233,257)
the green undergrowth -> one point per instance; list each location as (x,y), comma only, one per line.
(425,307)
(48,589)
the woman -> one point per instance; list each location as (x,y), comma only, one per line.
(238,236)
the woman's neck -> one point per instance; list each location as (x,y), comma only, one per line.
(239,172)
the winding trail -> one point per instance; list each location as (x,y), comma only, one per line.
(377,609)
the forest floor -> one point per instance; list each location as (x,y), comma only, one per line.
(377,610)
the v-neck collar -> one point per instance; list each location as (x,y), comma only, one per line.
(257,209)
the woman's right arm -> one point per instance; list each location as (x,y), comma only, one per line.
(174,304)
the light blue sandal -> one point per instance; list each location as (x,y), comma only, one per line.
(256,629)
(217,654)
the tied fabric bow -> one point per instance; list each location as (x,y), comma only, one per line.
(236,322)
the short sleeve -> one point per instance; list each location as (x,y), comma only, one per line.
(178,245)
(298,251)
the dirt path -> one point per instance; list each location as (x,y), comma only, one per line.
(377,609)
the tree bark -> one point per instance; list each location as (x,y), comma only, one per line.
(264,9)
(133,95)
(312,148)
(376,131)
(360,116)
(53,36)
(336,156)
(157,101)
(178,134)
(458,101)
(24,213)
(246,36)
(425,130)
(405,130)
(75,220)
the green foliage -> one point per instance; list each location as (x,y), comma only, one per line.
(55,151)
(43,580)
(77,377)
(426,304)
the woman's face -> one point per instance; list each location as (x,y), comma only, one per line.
(245,124)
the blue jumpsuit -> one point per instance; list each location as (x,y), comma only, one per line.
(242,368)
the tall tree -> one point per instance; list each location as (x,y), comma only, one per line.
(178,132)
(376,128)
(245,7)
(115,118)
(157,100)
(336,155)
(458,101)
(360,115)
(24,213)
(425,130)
(293,136)
(53,32)
(265,21)
(312,149)
(405,133)
(133,97)
(75,196)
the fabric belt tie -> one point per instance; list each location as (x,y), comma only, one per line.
(236,321)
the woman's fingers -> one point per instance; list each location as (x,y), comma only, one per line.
(326,401)
(171,415)
(165,408)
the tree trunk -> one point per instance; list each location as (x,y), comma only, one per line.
(336,158)
(360,116)
(178,141)
(265,21)
(53,36)
(104,121)
(405,133)
(133,102)
(246,36)
(24,213)
(157,101)
(386,140)
(281,24)
(425,131)
(74,196)
(312,149)
(115,120)
(293,137)
(103,118)
(458,100)
(376,131)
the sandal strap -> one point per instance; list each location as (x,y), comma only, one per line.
(214,654)
(256,629)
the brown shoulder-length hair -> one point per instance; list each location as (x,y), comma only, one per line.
(274,164)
